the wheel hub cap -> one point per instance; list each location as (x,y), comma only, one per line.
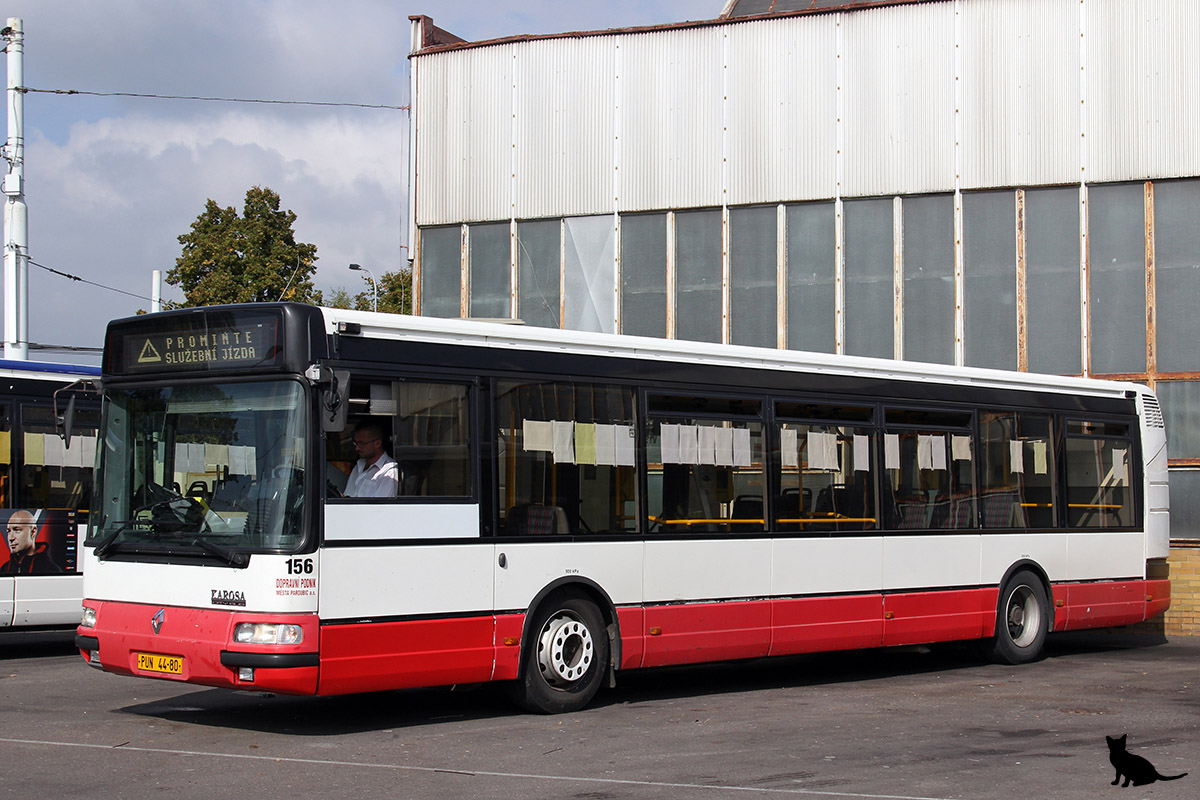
(565,650)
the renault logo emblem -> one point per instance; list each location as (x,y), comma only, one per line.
(157,620)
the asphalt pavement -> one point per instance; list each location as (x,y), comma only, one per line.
(898,723)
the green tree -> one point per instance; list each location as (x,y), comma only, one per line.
(395,291)
(395,294)
(338,298)
(251,258)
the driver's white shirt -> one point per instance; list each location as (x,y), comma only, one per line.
(377,480)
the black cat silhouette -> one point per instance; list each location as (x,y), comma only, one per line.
(1134,768)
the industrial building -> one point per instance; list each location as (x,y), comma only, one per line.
(994,183)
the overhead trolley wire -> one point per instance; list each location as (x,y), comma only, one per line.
(382,106)
(85,280)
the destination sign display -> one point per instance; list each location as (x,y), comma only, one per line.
(197,342)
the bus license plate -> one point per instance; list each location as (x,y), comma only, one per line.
(150,662)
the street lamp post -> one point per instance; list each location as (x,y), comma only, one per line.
(374,285)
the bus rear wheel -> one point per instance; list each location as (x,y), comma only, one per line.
(565,658)
(1022,620)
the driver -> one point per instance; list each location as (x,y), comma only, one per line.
(376,474)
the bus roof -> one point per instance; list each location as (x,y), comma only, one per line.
(506,335)
(45,369)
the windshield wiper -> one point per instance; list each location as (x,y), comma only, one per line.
(109,542)
(230,557)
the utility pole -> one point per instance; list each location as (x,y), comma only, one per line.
(156,291)
(16,218)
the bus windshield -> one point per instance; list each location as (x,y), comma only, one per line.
(213,469)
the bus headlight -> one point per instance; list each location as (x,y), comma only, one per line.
(267,633)
(88,620)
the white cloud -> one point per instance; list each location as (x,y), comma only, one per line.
(132,185)
(112,182)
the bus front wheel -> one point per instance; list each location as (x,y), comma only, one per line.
(565,659)
(1022,620)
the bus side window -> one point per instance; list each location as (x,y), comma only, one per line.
(431,439)
(929,469)
(6,456)
(424,425)
(52,475)
(567,459)
(1099,475)
(1018,470)
(824,457)
(705,465)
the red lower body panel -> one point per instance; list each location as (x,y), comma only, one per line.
(687,634)
(816,624)
(363,657)
(924,617)
(1100,605)
(508,649)
(370,657)
(1158,598)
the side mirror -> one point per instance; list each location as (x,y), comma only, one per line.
(334,405)
(65,422)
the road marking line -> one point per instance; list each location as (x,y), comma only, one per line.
(472,773)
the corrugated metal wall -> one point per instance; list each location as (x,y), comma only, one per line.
(895,100)
(782,110)
(1142,71)
(899,100)
(464,135)
(1021,93)
(564,117)
(670,92)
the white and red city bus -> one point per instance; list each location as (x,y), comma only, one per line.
(45,494)
(568,505)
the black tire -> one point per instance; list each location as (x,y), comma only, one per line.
(1022,620)
(565,659)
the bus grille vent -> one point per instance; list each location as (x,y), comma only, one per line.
(1154,417)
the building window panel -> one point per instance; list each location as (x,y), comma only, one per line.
(1185,503)
(990,279)
(1054,315)
(1177,274)
(490,271)
(929,279)
(539,254)
(869,277)
(698,275)
(1117,278)
(644,274)
(1181,413)
(589,272)
(441,271)
(811,263)
(753,276)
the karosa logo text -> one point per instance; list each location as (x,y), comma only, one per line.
(228,597)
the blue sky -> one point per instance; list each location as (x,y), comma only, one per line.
(111,182)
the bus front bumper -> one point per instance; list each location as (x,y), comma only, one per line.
(197,646)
